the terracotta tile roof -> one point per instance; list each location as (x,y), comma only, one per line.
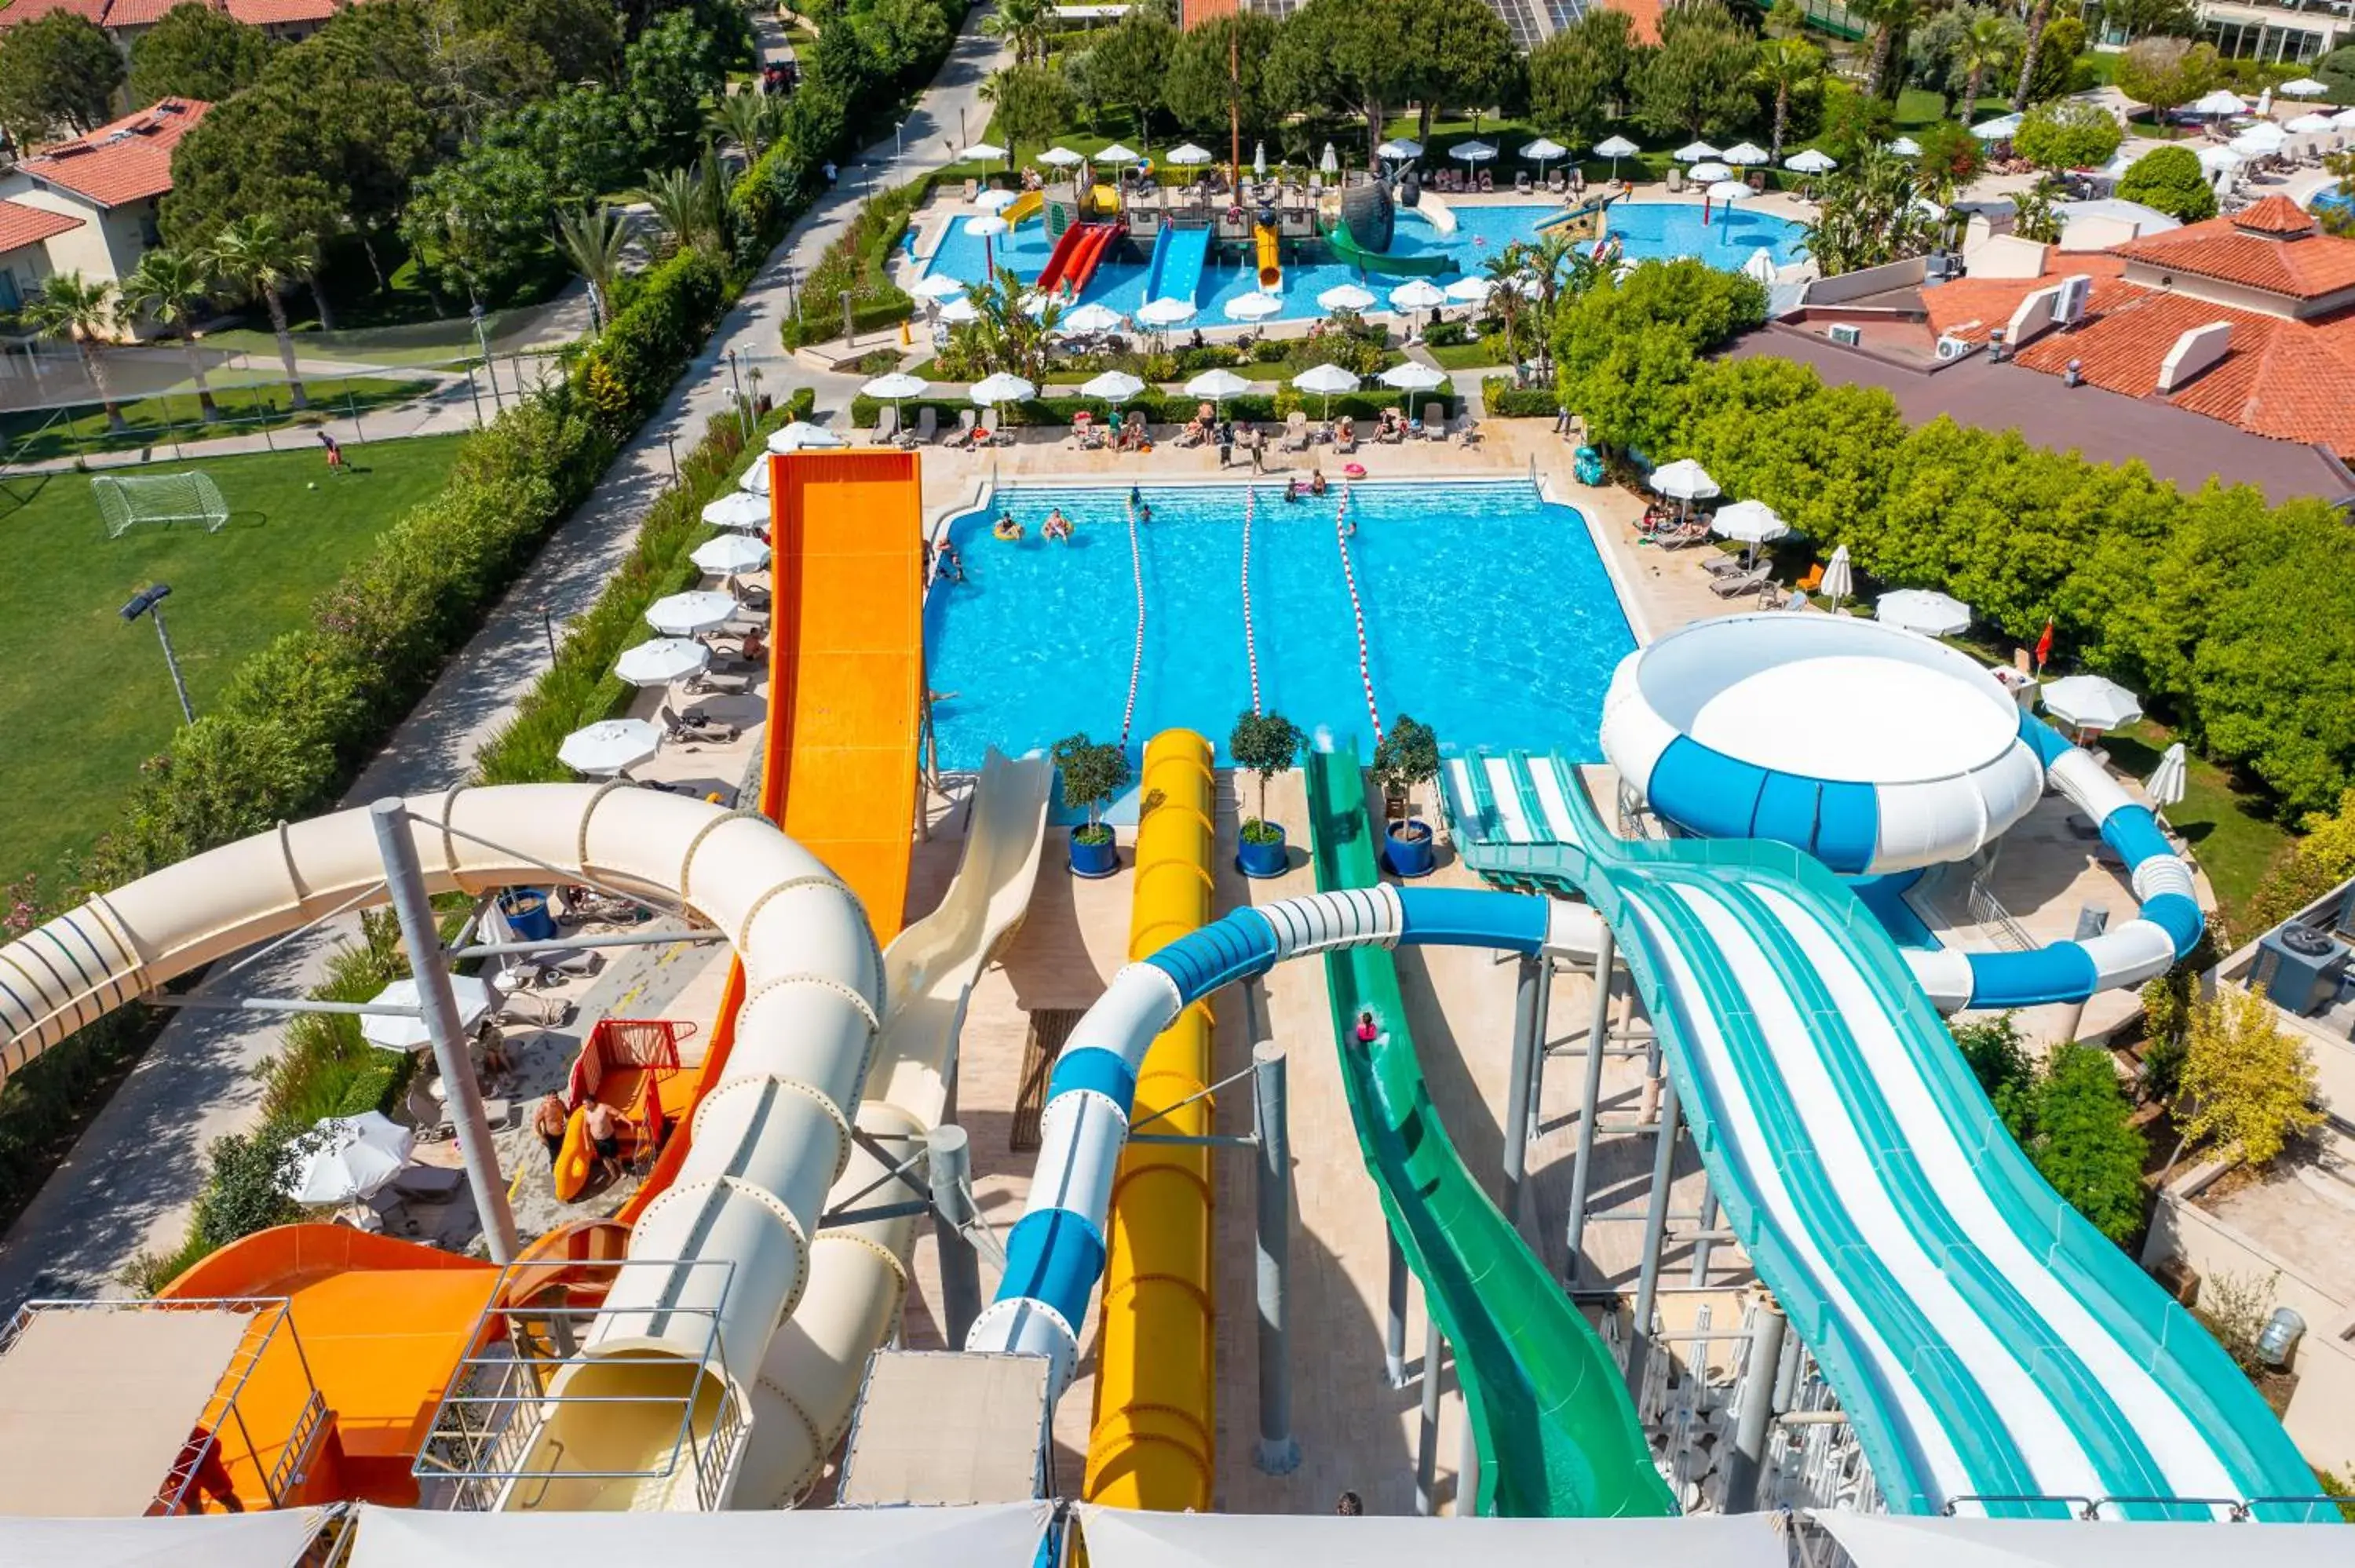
(1646,15)
(22,224)
(2275,213)
(2299,264)
(137,13)
(265,13)
(122,161)
(18,11)
(1194,13)
(1968,307)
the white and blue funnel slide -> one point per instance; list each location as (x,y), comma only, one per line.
(1877,750)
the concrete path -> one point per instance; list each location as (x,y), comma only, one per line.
(129,1183)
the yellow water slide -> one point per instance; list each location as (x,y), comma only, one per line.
(1270,259)
(1151,1444)
(1029,203)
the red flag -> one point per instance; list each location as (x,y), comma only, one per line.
(2044,644)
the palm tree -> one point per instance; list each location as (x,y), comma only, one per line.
(1022,24)
(79,310)
(1886,19)
(258,258)
(1786,67)
(1006,334)
(683,204)
(2036,20)
(1504,272)
(748,119)
(1990,42)
(174,288)
(593,241)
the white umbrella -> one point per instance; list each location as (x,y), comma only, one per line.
(985,150)
(2090,702)
(695,610)
(1404,147)
(1060,157)
(1217,386)
(802,436)
(1709,174)
(1003,387)
(1753,523)
(353,1159)
(1254,307)
(1113,386)
(1694,153)
(1115,154)
(1471,290)
(2167,781)
(1412,376)
(1840,577)
(899,384)
(1325,380)
(738,509)
(1472,152)
(1544,151)
(1259,159)
(1684,480)
(729,554)
(1744,153)
(2307,124)
(1811,161)
(665,659)
(1615,148)
(1330,162)
(1090,318)
(2305,87)
(997,201)
(754,481)
(2261,139)
(938,286)
(1903,147)
(1417,294)
(1346,297)
(1164,312)
(1924,610)
(2222,100)
(2344,119)
(1761,266)
(2002,128)
(473,994)
(1187,155)
(958,312)
(2214,161)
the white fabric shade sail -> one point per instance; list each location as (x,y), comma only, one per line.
(2090,702)
(351,1159)
(1683,480)
(738,509)
(475,996)
(995,1535)
(257,1539)
(685,614)
(1925,610)
(663,660)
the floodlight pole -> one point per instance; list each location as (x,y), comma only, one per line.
(172,663)
(1279,1452)
(405,880)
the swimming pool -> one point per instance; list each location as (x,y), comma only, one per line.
(1645,230)
(1488,616)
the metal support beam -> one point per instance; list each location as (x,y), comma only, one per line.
(569,944)
(1426,1443)
(1702,1238)
(1279,1454)
(1656,1225)
(1529,985)
(948,1159)
(1538,1041)
(1760,1362)
(1581,1168)
(1394,1314)
(1467,1461)
(405,879)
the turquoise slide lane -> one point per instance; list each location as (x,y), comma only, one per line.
(1556,1433)
(1181,277)
(1987,1341)
(1160,258)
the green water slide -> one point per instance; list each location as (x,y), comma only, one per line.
(1347,248)
(1557,1435)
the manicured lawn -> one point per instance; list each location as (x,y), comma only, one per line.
(35,435)
(84,699)
(2228,826)
(1473,355)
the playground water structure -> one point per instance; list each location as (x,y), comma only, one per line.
(1444,571)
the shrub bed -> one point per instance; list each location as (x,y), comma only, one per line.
(1506,400)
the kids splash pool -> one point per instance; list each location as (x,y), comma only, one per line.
(1488,615)
(1646,231)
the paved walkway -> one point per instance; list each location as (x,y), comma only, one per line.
(129,1183)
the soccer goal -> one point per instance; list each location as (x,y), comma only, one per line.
(168,498)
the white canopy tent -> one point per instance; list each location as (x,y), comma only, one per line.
(1121,1538)
(994,1535)
(275,1539)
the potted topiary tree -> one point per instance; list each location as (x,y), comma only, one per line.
(1263,744)
(1092,773)
(1406,757)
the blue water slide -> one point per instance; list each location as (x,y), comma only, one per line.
(1159,258)
(1179,275)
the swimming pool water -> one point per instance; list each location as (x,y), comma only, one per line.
(1646,231)
(1488,616)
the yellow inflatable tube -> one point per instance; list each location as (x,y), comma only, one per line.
(1151,1447)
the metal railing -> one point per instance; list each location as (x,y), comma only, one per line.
(1988,912)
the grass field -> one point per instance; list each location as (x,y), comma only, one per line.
(39,435)
(84,699)
(2228,826)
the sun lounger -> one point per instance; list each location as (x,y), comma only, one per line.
(967,421)
(927,426)
(693,724)
(1725,566)
(1434,421)
(1295,431)
(1739,583)
(886,426)
(1469,434)
(1693,533)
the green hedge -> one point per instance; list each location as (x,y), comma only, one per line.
(1160,407)
(858,262)
(1507,400)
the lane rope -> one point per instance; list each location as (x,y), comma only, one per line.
(1136,660)
(1251,639)
(1357,610)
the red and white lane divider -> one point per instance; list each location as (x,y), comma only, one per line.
(1136,660)
(1251,639)
(1357,610)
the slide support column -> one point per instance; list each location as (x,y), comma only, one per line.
(1426,1443)
(948,1155)
(1394,1316)
(1279,1454)
(1528,1006)
(1701,1243)
(1538,1037)
(1467,1461)
(1656,1225)
(421,935)
(1598,1037)
(1761,1365)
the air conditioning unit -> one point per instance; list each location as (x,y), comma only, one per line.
(1841,332)
(2298,967)
(1951,348)
(2070,308)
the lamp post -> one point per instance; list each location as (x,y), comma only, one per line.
(483,343)
(150,601)
(743,410)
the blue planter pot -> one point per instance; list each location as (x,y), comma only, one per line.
(1409,858)
(1264,860)
(1094,860)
